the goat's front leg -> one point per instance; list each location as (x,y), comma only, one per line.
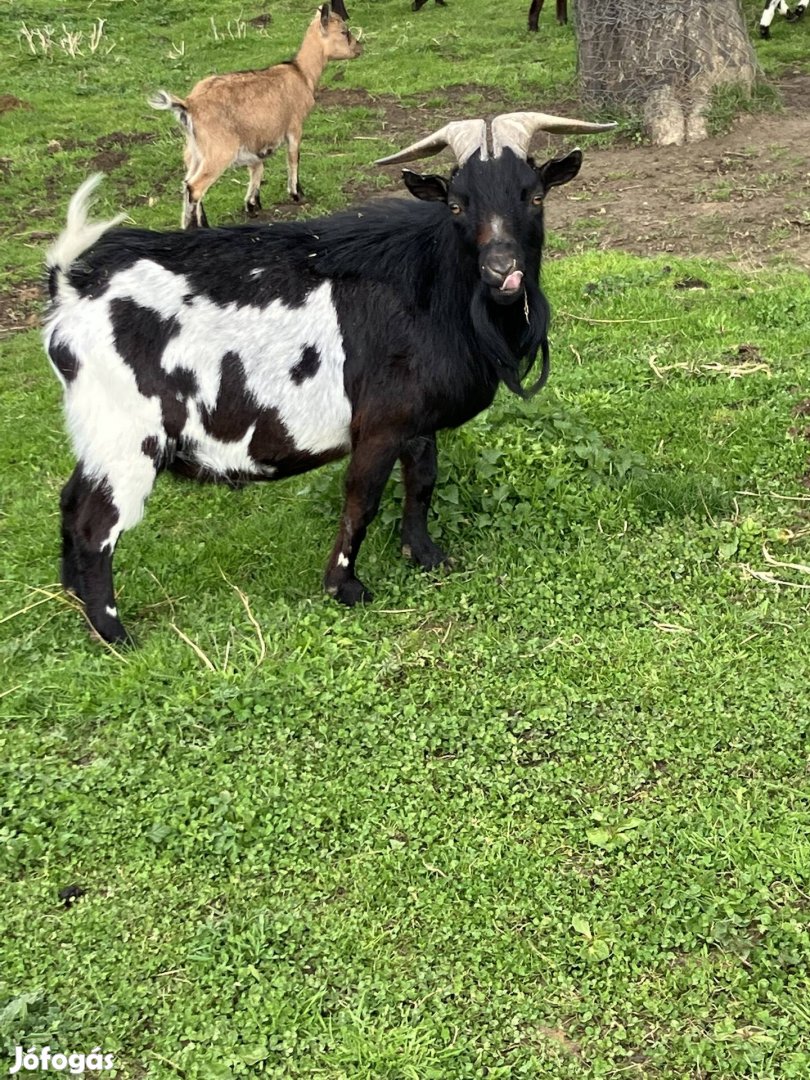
(253,202)
(534,14)
(418,459)
(293,156)
(370,466)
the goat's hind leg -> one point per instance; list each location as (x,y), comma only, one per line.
(206,173)
(419,476)
(69,573)
(94,514)
(193,214)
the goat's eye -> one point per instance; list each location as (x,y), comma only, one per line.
(454,208)
(537,200)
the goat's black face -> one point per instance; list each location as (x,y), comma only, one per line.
(497,206)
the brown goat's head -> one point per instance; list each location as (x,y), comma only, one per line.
(338,41)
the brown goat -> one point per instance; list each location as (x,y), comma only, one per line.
(242,117)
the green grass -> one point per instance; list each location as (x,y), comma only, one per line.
(545,816)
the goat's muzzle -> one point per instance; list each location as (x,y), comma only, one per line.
(500,272)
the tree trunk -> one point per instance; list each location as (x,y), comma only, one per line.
(662,60)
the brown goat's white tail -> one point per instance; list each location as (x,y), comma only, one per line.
(79,234)
(162,99)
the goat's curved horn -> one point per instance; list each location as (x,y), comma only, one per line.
(515,130)
(463,137)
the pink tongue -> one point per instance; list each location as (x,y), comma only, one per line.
(513,281)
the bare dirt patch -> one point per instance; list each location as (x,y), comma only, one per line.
(108,160)
(125,138)
(744,196)
(20,307)
(9,102)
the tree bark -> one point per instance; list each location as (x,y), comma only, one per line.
(662,60)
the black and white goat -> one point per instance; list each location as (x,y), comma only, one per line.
(258,352)
(772,7)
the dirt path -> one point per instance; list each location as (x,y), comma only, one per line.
(745,196)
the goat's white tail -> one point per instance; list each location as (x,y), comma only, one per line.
(79,234)
(161,99)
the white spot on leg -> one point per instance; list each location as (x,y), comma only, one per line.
(342,560)
(111,611)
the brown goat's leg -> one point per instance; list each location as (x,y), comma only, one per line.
(253,201)
(189,217)
(193,212)
(562,12)
(208,171)
(534,14)
(293,155)
(418,460)
(370,466)
(191,158)
(202,180)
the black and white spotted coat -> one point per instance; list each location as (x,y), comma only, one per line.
(774,7)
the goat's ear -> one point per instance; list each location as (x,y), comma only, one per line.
(560,170)
(339,8)
(325,17)
(428,188)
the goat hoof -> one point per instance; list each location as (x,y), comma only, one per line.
(765,32)
(111,630)
(351,592)
(426,554)
(252,208)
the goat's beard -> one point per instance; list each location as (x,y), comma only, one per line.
(510,333)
